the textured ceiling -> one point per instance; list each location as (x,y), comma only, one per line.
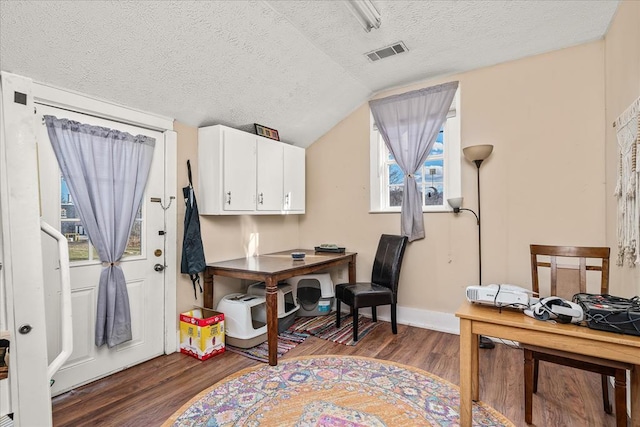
(296,66)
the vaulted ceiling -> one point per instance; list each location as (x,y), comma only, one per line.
(296,66)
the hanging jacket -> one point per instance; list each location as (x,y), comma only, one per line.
(193,261)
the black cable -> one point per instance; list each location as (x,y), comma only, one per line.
(612,306)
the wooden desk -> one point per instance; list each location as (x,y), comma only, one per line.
(271,269)
(513,325)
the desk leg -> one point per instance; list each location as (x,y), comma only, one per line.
(207,294)
(468,371)
(271,290)
(352,269)
(635,396)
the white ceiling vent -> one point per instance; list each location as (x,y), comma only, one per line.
(385,52)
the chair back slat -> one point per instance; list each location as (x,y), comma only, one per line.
(554,276)
(567,280)
(568,283)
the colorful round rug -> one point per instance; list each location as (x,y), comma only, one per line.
(331,391)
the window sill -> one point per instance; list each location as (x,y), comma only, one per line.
(434,209)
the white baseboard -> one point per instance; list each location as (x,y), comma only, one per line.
(425,319)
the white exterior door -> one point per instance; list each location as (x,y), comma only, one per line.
(145,250)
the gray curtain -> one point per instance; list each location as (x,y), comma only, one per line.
(106,171)
(409,124)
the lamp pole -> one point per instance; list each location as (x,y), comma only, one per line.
(477,154)
(478,163)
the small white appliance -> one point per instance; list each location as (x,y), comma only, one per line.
(499,295)
(556,308)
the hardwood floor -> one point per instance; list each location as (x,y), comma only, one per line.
(147,394)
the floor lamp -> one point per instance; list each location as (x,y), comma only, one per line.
(476,154)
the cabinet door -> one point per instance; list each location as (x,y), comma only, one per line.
(269,194)
(294,178)
(239,166)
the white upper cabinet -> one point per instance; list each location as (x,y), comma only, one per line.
(239,171)
(270,172)
(242,173)
(294,178)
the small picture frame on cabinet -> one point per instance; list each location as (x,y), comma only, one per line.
(266,132)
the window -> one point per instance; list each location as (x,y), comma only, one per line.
(79,247)
(438,179)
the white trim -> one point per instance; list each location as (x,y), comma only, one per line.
(171,242)
(22,259)
(74,101)
(375,169)
(425,319)
(425,209)
(452,155)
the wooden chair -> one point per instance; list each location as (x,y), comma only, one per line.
(565,281)
(383,288)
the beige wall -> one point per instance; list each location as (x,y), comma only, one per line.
(622,60)
(544,182)
(224,237)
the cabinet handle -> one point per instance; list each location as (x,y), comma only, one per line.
(261,198)
(286,201)
(228,197)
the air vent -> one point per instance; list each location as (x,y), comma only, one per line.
(385,52)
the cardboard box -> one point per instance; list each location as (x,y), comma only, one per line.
(202,333)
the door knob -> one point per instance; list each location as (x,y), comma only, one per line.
(25,329)
(158,267)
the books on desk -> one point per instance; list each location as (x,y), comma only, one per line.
(333,250)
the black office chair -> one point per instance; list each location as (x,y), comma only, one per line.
(383,288)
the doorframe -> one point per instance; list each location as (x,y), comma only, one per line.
(80,103)
(30,398)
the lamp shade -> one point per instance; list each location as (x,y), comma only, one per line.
(477,152)
(455,202)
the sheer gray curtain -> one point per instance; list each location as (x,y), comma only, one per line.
(409,124)
(106,171)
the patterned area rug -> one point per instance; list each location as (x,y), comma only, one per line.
(331,391)
(325,327)
(286,341)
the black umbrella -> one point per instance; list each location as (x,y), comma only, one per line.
(193,261)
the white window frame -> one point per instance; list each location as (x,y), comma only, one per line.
(452,162)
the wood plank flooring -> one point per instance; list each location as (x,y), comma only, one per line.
(147,394)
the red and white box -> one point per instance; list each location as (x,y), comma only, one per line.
(202,333)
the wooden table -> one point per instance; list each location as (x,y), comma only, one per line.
(513,325)
(271,269)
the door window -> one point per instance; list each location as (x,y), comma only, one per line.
(80,249)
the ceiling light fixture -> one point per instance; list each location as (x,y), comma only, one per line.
(365,12)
